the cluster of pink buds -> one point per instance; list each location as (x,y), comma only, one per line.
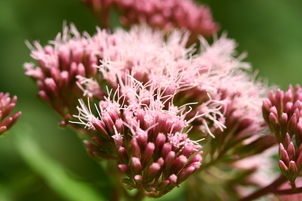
(146,137)
(166,15)
(61,64)
(7,105)
(283,113)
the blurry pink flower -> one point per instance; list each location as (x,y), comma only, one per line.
(166,15)
(7,119)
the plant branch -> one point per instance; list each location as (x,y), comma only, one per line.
(288,191)
(271,188)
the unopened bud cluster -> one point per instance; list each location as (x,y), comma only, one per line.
(283,113)
(147,138)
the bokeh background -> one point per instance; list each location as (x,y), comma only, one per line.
(269,31)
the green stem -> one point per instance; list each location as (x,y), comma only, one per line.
(139,196)
(121,193)
(115,180)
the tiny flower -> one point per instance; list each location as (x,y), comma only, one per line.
(7,119)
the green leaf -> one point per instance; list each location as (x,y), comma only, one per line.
(53,173)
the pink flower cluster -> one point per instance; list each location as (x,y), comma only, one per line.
(155,98)
(166,15)
(283,113)
(147,138)
(69,55)
(7,105)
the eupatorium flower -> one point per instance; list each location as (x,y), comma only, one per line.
(67,67)
(7,119)
(166,15)
(283,113)
(207,78)
(148,138)
(155,99)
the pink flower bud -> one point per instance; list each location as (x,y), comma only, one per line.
(299,159)
(185,173)
(283,167)
(91,146)
(135,149)
(283,123)
(179,163)
(123,155)
(148,153)
(169,160)
(173,179)
(123,168)
(136,165)
(279,100)
(138,178)
(283,155)
(166,150)
(152,171)
(292,124)
(292,168)
(274,122)
(291,150)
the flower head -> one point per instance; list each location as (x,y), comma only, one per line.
(154,99)
(147,138)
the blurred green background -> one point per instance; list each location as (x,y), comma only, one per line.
(269,31)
